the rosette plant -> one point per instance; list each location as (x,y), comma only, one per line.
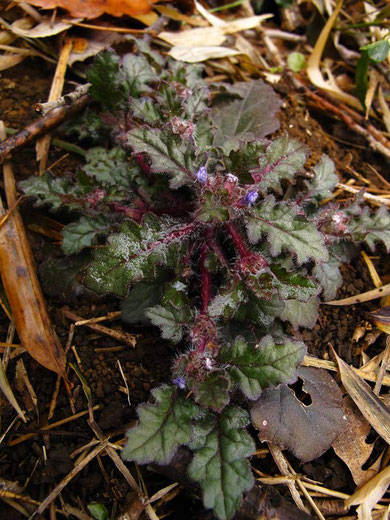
(213,233)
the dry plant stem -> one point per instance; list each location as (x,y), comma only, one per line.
(22,288)
(306,493)
(383,368)
(67,99)
(43,144)
(122,30)
(377,141)
(124,337)
(310,361)
(40,127)
(51,426)
(64,482)
(372,198)
(281,462)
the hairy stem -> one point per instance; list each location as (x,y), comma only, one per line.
(205,279)
(238,241)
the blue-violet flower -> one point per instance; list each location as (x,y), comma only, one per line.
(250,198)
(201,175)
(180,382)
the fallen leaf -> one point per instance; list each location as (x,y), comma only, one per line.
(43,30)
(381,318)
(351,445)
(7,391)
(305,430)
(369,495)
(10,60)
(95,42)
(373,409)
(198,54)
(95,8)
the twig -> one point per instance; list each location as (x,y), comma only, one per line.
(43,144)
(127,338)
(40,127)
(368,196)
(51,426)
(67,99)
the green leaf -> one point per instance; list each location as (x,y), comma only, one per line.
(283,158)
(377,51)
(306,430)
(210,212)
(296,61)
(107,80)
(138,74)
(197,104)
(135,254)
(361,77)
(203,135)
(213,391)
(174,314)
(285,229)
(226,302)
(246,158)
(372,227)
(294,285)
(324,180)
(219,464)
(252,116)
(142,296)
(110,167)
(301,314)
(98,511)
(168,153)
(254,368)
(145,109)
(83,233)
(162,427)
(329,276)
(260,312)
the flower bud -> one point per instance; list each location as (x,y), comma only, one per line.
(201,175)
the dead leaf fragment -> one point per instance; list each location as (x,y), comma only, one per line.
(198,54)
(369,495)
(95,8)
(306,430)
(43,30)
(351,445)
(373,409)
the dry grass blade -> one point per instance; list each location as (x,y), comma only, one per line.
(313,66)
(7,391)
(22,288)
(64,482)
(371,407)
(363,297)
(368,495)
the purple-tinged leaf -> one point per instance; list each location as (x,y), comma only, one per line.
(307,430)
(252,116)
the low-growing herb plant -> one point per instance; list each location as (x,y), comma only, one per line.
(219,237)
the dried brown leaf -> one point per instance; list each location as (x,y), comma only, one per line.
(373,409)
(369,495)
(351,445)
(95,8)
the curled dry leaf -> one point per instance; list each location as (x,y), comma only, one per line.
(373,409)
(363,297)
(306,430)
(351,445)
(95,8)
(43,30)
(369,495)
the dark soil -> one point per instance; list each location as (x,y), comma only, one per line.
(44,459)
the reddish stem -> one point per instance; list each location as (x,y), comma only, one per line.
(205,279)
(238,241)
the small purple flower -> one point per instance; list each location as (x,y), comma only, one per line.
(201,175)
(250,198)
(180,382)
